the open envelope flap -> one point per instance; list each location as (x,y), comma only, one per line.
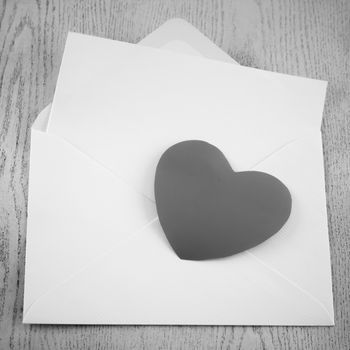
(175,33)
(126,104)
(274,283)
(78,209)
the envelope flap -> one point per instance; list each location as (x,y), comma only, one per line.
(178,35)
(125,104)
(76,209)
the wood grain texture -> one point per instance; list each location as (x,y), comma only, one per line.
(309,38)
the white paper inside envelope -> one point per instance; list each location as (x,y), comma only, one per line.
(95,251)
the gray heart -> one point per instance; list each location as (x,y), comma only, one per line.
(209,211)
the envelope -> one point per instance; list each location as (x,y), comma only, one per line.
(96,253)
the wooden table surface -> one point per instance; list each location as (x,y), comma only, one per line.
(303,37)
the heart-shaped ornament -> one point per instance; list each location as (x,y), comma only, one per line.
(209,211)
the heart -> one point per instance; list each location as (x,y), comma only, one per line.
(207,210)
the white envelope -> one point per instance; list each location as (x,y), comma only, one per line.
(96,253)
